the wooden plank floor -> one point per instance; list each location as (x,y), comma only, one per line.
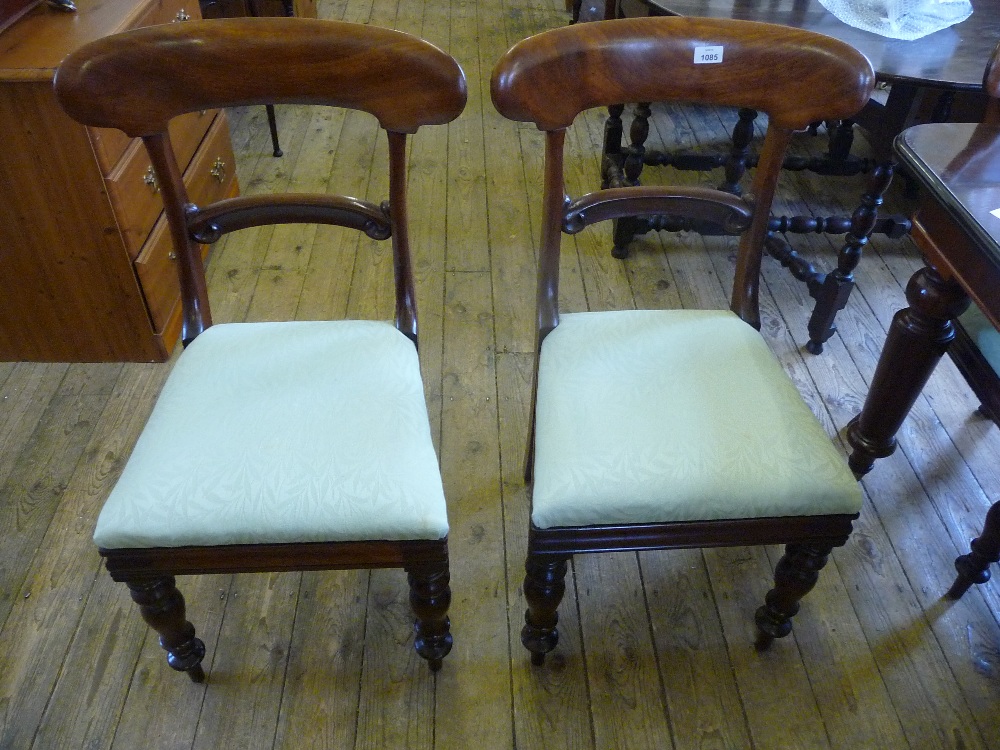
(656,648)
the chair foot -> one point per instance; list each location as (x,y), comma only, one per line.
(814,347)
(162,607)
(794,577)
(430,596)
(544,586)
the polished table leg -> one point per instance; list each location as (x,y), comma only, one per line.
(975,566)
(918,337)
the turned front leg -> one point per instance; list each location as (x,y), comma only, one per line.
(794,577)
(162,607)
(544,586)
(430,596)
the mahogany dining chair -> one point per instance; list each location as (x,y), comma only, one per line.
(287,445)
(659,429)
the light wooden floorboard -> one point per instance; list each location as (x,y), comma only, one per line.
(656,649)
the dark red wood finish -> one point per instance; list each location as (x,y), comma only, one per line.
(794,76)
(137,82)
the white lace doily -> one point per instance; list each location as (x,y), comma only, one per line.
(900,19)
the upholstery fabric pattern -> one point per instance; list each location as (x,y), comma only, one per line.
(283,432)
(675,415)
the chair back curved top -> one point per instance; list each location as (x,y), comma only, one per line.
(797,77)
(138,81)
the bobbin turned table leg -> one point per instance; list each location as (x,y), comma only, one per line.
(832,294)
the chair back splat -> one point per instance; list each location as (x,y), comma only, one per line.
(657,429)
(276,446)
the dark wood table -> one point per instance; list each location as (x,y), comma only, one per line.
(949,61)
(957,227)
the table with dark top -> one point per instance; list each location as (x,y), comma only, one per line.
(957,227)
(939,65)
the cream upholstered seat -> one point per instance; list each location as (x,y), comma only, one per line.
(651,416)
(272,433)
(283,445)
(658,429)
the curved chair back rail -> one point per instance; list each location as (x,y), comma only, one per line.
(209,224)
(731,212)
(797,77)
(137,81)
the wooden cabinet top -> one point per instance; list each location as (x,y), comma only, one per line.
(32,48)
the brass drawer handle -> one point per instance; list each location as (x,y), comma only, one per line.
(182,15)
(150,179)
(218,170)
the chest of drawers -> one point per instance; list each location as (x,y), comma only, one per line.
(86,268)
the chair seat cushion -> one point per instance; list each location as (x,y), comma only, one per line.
(653,416)
(283,432)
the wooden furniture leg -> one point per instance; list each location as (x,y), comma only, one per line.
(974,567)
(627,227)
(918,337)
(794,577)
(736,164)
(832,294)
(544,586)
(288,9)
(162,607)
(430,596)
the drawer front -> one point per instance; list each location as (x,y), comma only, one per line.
(155,266)
(110,144)
(132,186)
